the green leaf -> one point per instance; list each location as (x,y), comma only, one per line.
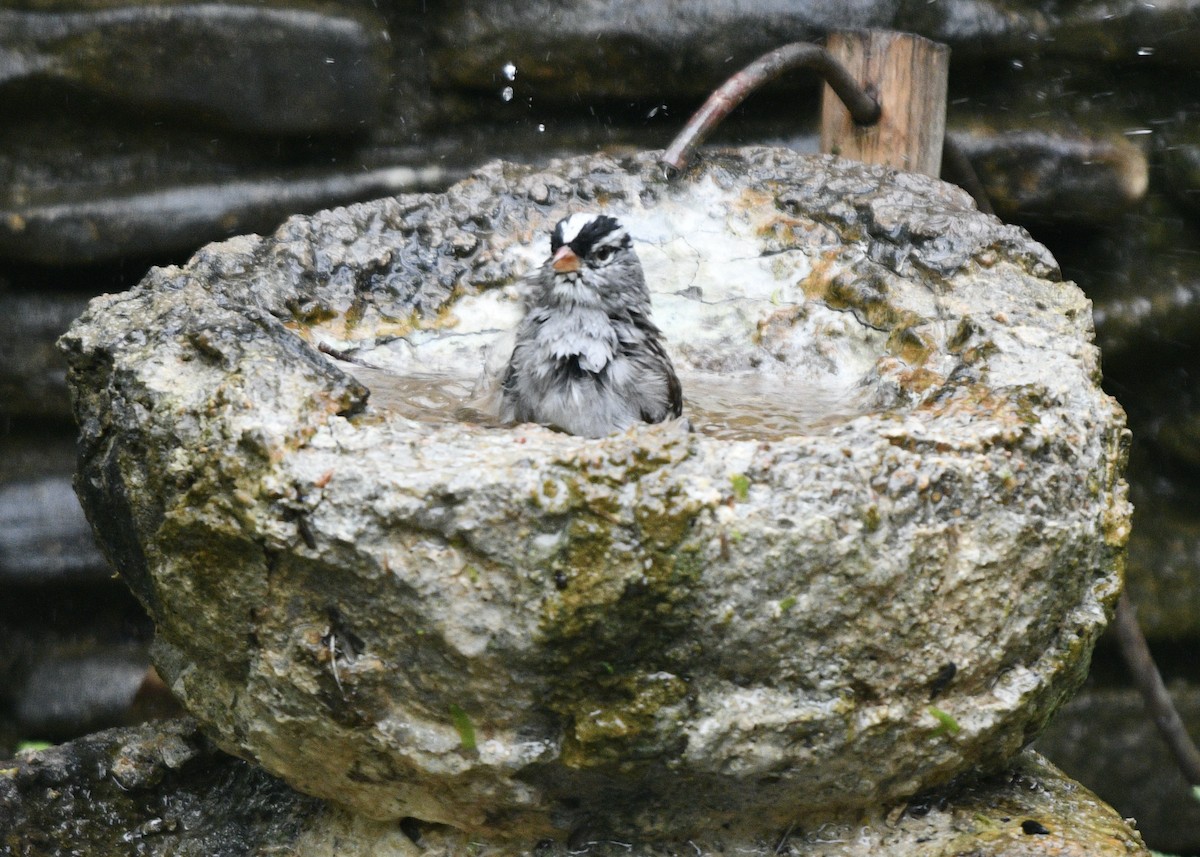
(33,746)
(948,725)
(466,729)
(787,604)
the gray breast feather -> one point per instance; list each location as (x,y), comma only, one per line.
(587,358)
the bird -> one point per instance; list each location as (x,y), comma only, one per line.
(587,359)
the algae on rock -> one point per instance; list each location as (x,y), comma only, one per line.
(654,633)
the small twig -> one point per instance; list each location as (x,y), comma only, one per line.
(863,108)
(958,169)
(330,640)
(333,656)
(1146,676)
(783,840)
(344,356)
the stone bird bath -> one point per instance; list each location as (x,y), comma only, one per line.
(875,555)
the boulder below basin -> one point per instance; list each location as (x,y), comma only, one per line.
(875,554)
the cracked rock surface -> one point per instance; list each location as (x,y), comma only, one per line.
(878,557)
(163,789)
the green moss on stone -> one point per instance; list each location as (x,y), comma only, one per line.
(618,584)
(610,727)
(910,346)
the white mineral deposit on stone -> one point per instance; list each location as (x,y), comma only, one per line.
(715,294)
(504,572)
(547,543)
(1014,684)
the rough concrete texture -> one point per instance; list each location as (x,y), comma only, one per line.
(567,51)
(268,67)
(1105,737)
(880,560)
(155,789)
(163,789)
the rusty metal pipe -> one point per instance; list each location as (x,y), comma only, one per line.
(734,91)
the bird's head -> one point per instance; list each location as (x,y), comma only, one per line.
(592,262)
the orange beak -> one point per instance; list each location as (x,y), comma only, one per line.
(565,260)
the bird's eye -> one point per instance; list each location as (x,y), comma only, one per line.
(602,254)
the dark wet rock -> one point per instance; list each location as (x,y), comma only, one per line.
(518,632)
(1143,276)
(1183,169)
(32,372)
(1127,31)
(568,51)
(1105,738)
(86,178)
(165,790)
(1060,143)
(66,695)
(44,537)
(74,659)
(153,790)
(1003,815)
(277,68)
(1123,32)
(1034,176)
(88,185)
(1179,151)
(74,653)
(1164,550)
(35,452)
(1165,404)
(158,221)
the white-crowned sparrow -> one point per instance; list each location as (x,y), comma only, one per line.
(587,359)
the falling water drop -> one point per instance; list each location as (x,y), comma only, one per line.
(541,128)
(510,71)
(507,93)
(1145,52)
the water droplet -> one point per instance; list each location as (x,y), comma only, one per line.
(1017,64)
(510,71)
(507,93)
(1145,52)
(541,128)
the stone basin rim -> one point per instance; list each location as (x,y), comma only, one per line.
(810,588)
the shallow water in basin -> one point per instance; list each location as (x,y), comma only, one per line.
(730,407)
(755,407)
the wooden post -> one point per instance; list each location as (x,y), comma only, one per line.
(907,75)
